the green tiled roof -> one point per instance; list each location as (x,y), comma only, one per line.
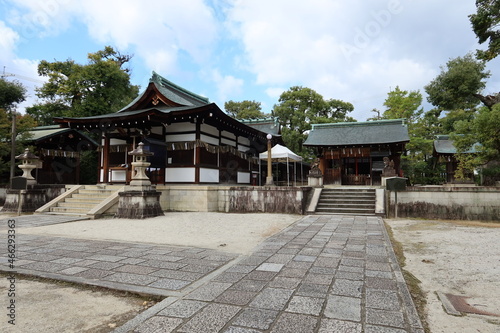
(171,91)
(45,132)
(266,125)
(358,133)
(444,145)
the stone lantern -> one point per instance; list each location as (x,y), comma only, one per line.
(27,165)
(140,164)
(140,199)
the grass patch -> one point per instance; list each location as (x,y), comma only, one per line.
(412,282)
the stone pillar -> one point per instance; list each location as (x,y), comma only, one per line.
(140,199)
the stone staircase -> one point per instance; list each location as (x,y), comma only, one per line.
(349,201)
(84,200)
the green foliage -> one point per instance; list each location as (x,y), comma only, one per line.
(457,84)
(485,25)
(491,174)
(403,104)
(99,87)
(482,133)
(299,107)
(244,109)
(11,93)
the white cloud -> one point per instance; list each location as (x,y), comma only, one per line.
(227,85)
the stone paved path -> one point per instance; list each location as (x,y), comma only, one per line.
(321,274)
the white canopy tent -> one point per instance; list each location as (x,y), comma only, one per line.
(281,153)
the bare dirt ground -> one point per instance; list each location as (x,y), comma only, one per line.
(454,257)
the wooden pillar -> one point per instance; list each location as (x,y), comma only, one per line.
(105,157)
(197,154)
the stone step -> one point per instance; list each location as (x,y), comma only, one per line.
(78,204)
(365,197)
(347,205)
(340,200)
(70,210)
(354,211)
(77,199)
(103,192)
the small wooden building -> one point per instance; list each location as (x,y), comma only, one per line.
(353,153)
(193,140)
(444,151)
(59,151)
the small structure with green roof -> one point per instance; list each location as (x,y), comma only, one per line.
(353,153)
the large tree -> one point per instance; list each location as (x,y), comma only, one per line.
(459,85)
(101,86)
(299,107)
(11,94)
(244,109)
(485,24)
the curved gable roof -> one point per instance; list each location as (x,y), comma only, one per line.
(161,93)
(358,133)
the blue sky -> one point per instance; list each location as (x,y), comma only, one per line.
(356,51)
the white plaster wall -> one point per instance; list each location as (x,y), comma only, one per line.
(180,175)
(243,177)
(228,135)
(209,129)
(181,127)
(209,175)
(228,142)
(209,139)
(180,137)
(117,175)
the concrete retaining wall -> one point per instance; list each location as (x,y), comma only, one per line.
(234,199)
(446,202)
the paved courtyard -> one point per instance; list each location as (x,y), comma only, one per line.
(322,274)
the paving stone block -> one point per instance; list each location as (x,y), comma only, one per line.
(104,257)
(383,329)
(158,324)
(249,285)
(92,273)
(234,329)
(293,323)
(376,283)
(128,278)
(183,308)
(164,264)
(385,318)
(293,272)
(241,269)
(229,277)
(313,290)
(339,326)
(272,299)
(177,275)
(270,267)
(256,318)
(382,299)
(170,284)
(349,288)
(344,308)
(305,305)
(44,266)
(261,275)
(73,270)
(285,282)
(211,318)
(106,265)
(236,297)
(132,261)
(318,278)
(209,291)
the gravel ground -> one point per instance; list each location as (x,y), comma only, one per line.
(454,257)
